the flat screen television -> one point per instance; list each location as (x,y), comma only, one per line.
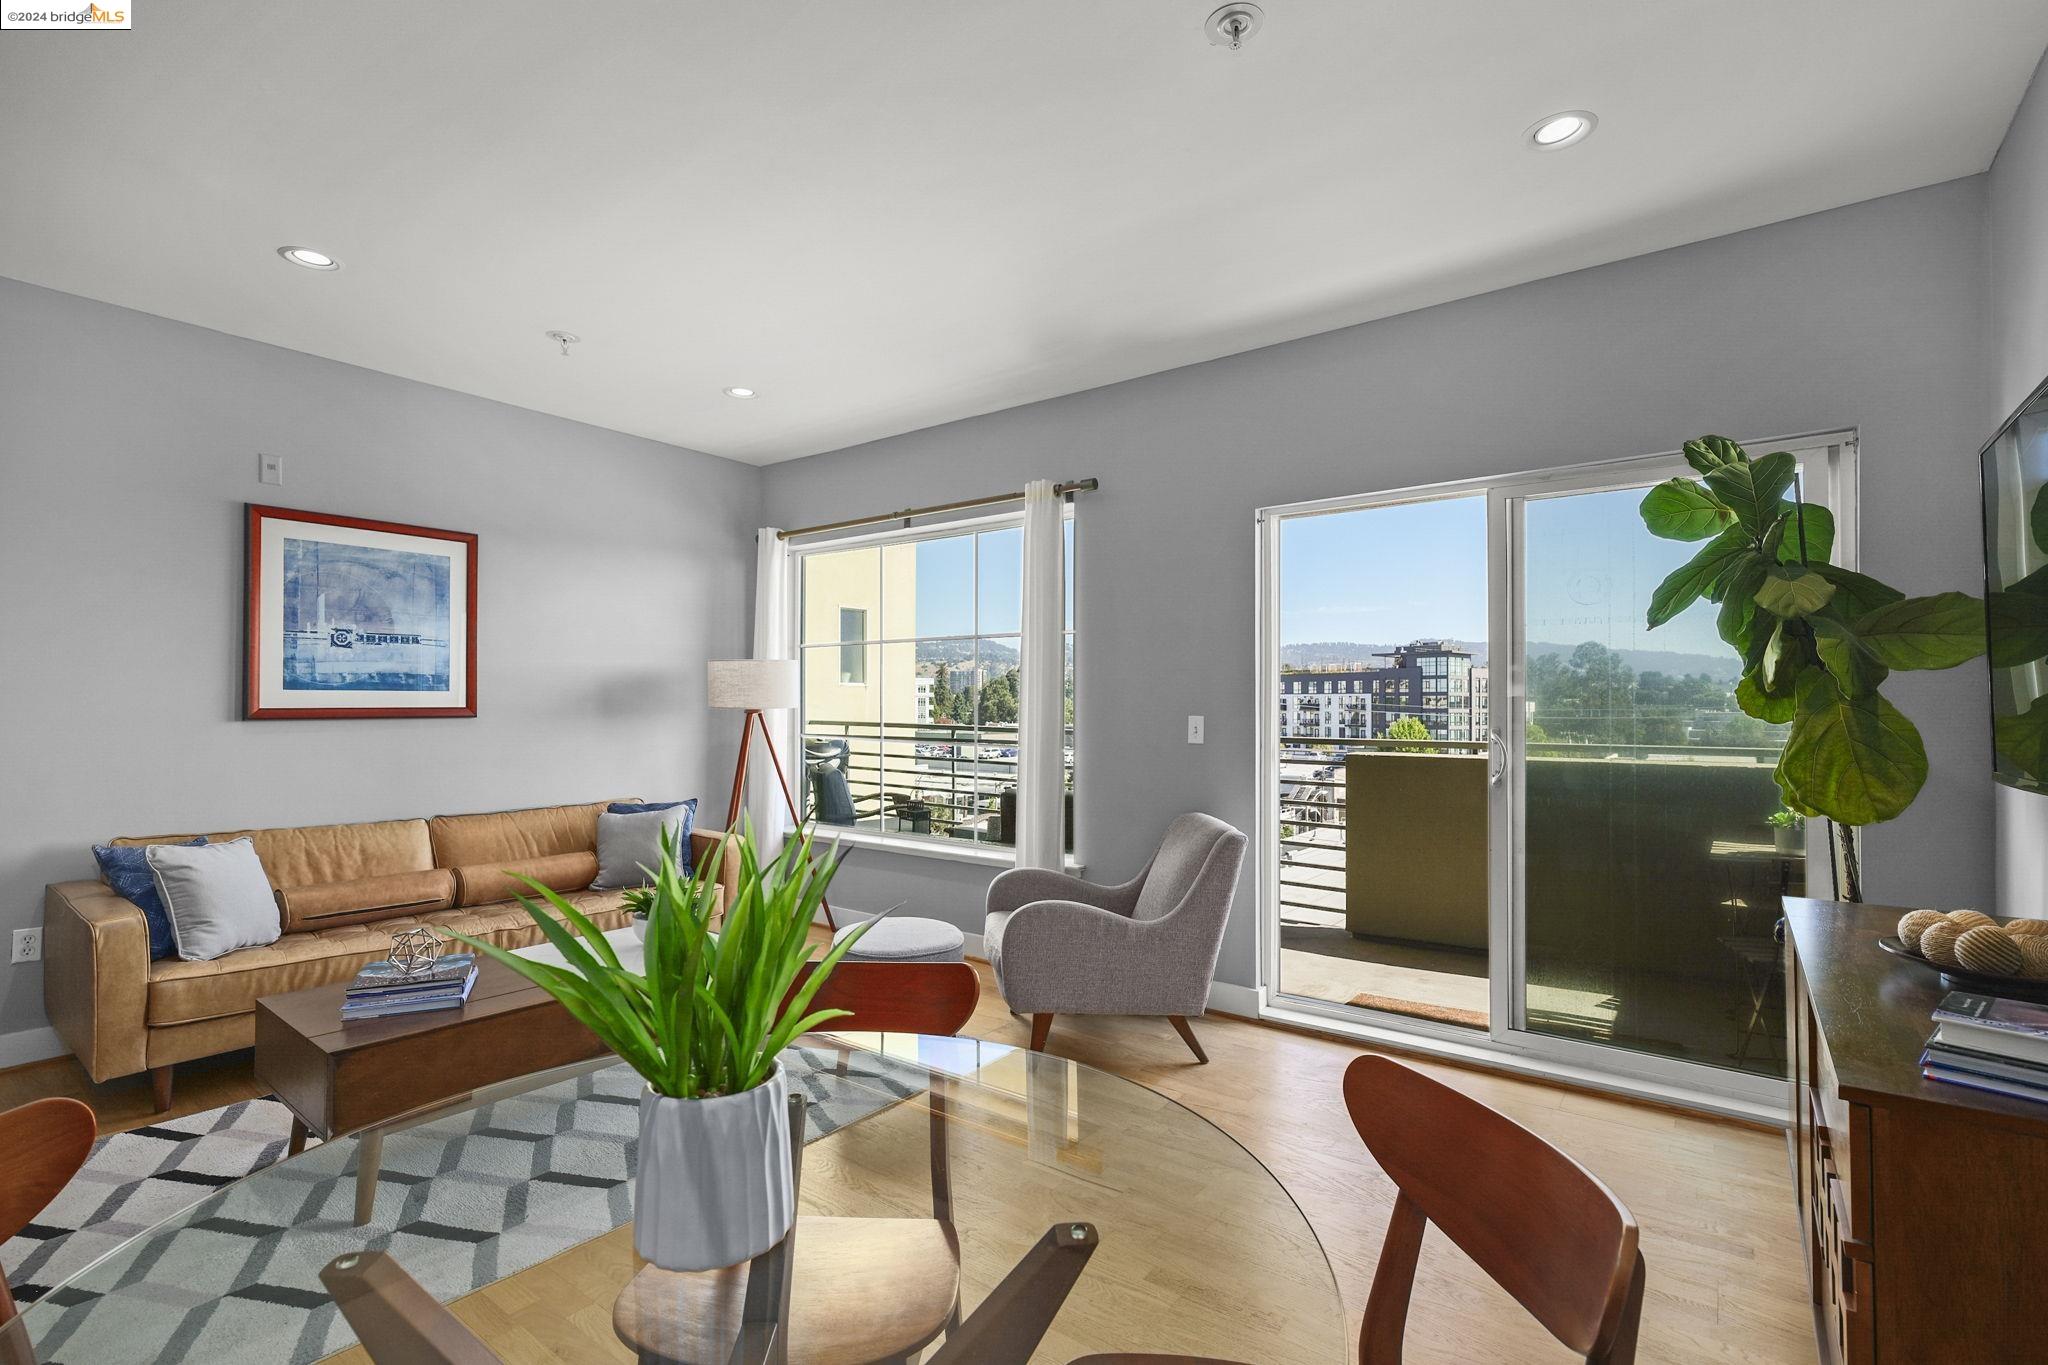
(2016,593)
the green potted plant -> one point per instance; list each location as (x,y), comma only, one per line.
(1817,641)
(704,1024)
(1788,830)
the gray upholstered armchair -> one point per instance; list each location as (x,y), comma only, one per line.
(1063,946)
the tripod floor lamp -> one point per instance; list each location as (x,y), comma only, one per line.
(754,686)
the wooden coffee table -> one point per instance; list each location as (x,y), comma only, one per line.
(357,1077)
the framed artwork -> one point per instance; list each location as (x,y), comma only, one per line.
(350,619)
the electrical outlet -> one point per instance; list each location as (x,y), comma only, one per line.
(270,469)
(1195,728)
(28,945)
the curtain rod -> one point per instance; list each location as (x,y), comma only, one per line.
(908,513)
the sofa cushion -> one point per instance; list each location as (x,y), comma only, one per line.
(188,992)
(486,883)
(556,845)
(499,838)
(310,855)
(366,899)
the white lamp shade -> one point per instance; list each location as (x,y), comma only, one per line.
(753,684)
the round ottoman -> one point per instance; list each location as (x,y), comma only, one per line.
(904,938)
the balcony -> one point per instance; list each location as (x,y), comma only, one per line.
(1650,887)
(934,780)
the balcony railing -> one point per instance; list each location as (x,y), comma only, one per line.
(935,779)
(1312,837)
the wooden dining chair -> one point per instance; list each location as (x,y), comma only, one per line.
(1538,1222)
(896,997)
(879,1288)
(42,1145)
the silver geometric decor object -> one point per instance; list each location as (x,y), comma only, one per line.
(415,950)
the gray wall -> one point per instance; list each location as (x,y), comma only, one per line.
(2017,199)
(1867,316)
(610,568)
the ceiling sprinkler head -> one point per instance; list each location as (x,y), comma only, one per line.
(1234,24)
(564,339)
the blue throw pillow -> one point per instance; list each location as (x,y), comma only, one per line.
(126,868)
(642,807)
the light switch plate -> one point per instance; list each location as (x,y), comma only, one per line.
(28,945)
(1195,728)
(270,469)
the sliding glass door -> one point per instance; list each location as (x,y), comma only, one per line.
(1503,812)
(1380,824)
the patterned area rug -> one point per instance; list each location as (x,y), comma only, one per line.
(461,1202)
(135,1180)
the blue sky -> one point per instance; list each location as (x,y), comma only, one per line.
(946,586)
(1387,575)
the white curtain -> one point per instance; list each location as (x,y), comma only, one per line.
(1041,776)
(771,641)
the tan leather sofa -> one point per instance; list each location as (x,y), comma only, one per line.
(342,891)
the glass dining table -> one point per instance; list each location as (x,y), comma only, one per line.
(514,1208)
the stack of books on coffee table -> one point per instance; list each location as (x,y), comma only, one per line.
(1989,1043)
(384,988)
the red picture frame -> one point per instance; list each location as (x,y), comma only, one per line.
(262,618)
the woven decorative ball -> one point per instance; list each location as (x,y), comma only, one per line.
(1970,919)
(1915,923)
(2026,928)
(1938,943)
(1988,949)
(2033,957)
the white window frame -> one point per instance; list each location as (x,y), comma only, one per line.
(918,845)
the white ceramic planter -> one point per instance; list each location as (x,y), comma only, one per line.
(1790,839)
(713,1186)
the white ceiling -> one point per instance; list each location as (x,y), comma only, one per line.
(888,215)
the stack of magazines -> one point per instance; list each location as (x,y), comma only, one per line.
(1989,1043)
(385,988)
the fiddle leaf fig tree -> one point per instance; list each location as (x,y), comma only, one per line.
(1817,641)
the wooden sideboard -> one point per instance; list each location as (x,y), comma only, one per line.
(1924,1206)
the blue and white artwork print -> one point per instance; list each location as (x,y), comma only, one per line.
(365,618)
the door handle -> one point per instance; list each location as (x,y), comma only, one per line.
(1497,757)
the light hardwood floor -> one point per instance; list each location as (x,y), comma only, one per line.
(1726,1279)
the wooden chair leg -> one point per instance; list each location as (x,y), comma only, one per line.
(1008,1325)
(394,1318)
(160,1082)
(369,1159)
(297,1143)
(1187,1035)
(1041,1028)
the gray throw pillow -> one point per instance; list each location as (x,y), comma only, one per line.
(627,844)
(217,897)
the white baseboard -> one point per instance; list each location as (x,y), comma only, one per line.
(1228,997)
(30,1045)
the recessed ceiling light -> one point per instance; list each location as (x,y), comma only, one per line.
(738,391)
(1561,130)
(309,258)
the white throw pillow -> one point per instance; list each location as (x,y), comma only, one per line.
(218,901)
